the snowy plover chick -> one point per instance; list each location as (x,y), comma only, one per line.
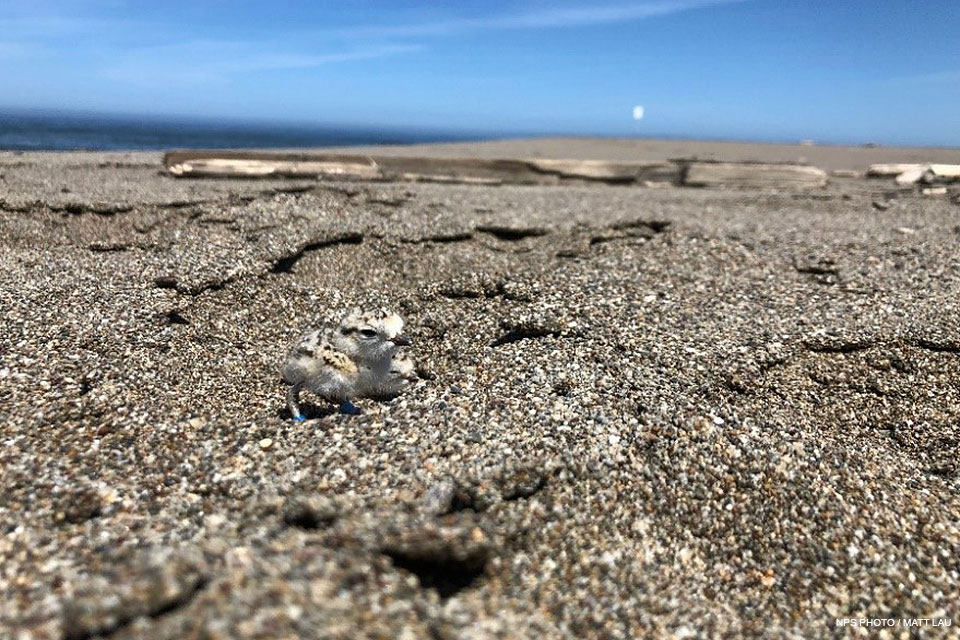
(317,366)
(357,361)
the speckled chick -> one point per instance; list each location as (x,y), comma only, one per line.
(318,366)
(359,360)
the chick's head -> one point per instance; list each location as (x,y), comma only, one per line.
(370,336)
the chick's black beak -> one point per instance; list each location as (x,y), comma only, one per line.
(401,341)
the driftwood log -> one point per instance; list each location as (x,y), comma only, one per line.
(892,170)
(252,164)
(908,174)
(942,173)
(720,174)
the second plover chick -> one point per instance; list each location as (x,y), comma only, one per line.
(399,376)
(372,340)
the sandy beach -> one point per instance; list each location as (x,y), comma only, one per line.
(641,413)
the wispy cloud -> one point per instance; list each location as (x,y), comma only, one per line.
(126,47)
(263,62)
(540,19)
(209,61)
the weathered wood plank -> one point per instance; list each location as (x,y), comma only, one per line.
(720,174)
(505,170)
(473,170)
(608,171)
(271,164)
(911,176)
(228,167)
(943,173)
(419,177)
(892,169)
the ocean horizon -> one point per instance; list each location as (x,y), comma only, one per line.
(49,130)
(65,131)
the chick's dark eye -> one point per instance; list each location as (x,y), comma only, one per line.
(368,333)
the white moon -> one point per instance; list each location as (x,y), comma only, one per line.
(638,112)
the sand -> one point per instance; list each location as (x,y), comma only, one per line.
(642,413)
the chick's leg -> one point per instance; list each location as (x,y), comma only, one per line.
(293,401)
(349,408)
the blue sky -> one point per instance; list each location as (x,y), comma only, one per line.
(886,71)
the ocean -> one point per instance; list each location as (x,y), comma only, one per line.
(57,131)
